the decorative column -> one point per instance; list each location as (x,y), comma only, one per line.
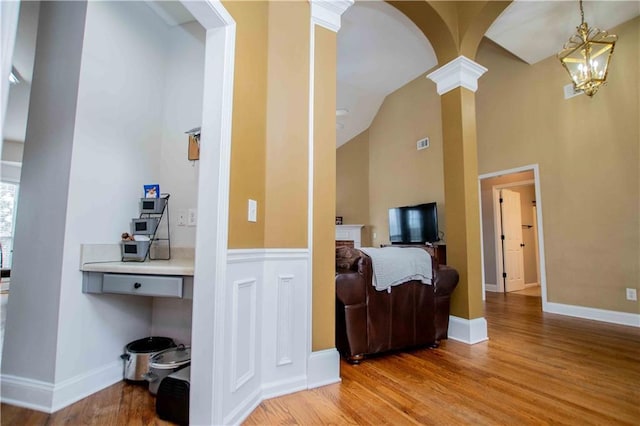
(456,83)
(323,366)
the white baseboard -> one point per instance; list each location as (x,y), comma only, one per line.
(26,393)
(528,285)
(244,409)
(284,387)
(76,388)
(491,287)
(323,368)
(468,331)
(614,317)
(49,398)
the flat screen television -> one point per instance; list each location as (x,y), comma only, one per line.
(414,224)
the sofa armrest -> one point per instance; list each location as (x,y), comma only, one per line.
(446,281)
(350,287)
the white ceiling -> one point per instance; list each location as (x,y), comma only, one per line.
(381,50)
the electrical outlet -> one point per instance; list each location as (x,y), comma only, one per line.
(632,294)
(375,235)
(192,217)
(182,217)
(252,214)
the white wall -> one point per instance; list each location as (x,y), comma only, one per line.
(29,349)
(183,88)
(116,151)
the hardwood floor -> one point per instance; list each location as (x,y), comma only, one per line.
(535,369)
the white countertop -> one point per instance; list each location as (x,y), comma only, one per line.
(106,258)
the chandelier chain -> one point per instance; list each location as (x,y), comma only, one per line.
(581,13)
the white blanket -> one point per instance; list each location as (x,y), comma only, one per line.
(396,265)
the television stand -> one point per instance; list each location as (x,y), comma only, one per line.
(437,250)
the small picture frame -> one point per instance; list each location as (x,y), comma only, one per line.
(152,191)
(338,220)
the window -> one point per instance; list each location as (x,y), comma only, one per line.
(8,204)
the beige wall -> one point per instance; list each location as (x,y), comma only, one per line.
(287,150)
(587,150)
(248,134)
(324,190)
(399,175)
(352,184)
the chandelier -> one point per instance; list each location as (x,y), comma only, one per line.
(586,56)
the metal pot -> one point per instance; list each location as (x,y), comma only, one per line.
(137,354)
(166,362)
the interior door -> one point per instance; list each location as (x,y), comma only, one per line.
(512,240)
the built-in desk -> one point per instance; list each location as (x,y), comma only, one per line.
(104,272)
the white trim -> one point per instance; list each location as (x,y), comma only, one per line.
(255,255)
(468,331)
(492,288)
(208,331)
(327,13)
(239,378)
(312,64)
(49,398)
(323,368)
(460,72)
(26,393)
(541,252)
(285,313)
(614,317)
(242,410)
(284,387)
(529,285)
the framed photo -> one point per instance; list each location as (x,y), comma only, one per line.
(338,220)
(152,191)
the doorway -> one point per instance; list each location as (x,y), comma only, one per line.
(512,237)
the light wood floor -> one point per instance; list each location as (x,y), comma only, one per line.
(535,369)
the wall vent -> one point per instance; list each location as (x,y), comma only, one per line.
(422,144)
(570,91)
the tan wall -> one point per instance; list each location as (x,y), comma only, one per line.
(352,184)
(287,150)
(399,175)
(248,137)
(588,152)
(324,190)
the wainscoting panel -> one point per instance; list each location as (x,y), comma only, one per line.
(267,327)
(285,309)
(243,334)
(285,322)
(244,282)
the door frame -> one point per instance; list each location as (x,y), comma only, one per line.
(207,398)
(497,220)
(542,263)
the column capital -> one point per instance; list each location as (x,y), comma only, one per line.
(327,13)
(462,71)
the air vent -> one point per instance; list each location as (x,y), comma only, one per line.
(570,91)
(422,144)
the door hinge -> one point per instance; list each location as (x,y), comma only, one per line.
(504,275)
(501,200)
(502,237)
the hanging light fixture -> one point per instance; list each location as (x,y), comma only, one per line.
(586,56)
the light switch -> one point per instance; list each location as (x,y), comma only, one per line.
(182,217)
(192,217)
(253,211)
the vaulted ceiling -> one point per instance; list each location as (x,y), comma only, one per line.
(381,50)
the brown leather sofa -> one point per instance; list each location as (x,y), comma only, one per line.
(412,315)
